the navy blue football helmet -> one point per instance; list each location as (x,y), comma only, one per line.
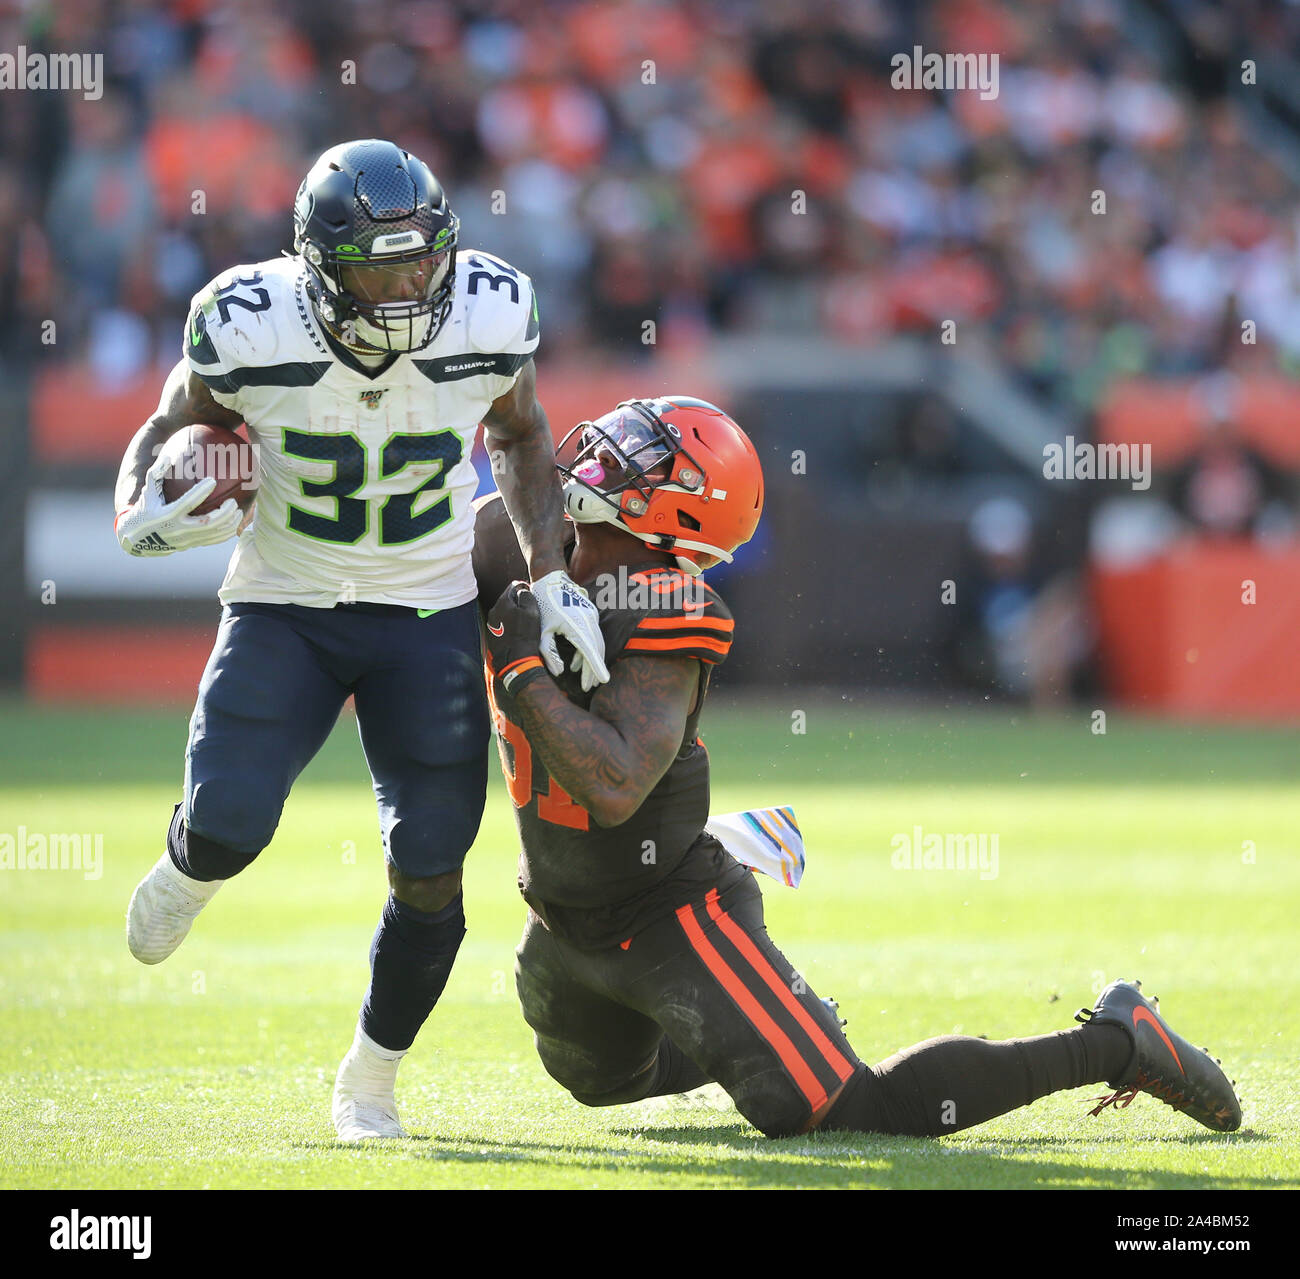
(374,229)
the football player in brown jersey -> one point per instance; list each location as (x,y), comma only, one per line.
(645,967)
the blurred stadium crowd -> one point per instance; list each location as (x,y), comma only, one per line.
(648,153)
(742,170)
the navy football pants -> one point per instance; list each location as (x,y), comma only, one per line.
(273,688)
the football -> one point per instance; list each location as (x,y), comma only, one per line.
(201,451)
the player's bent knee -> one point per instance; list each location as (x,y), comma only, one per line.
(435,830)
(617,1097)
(621,1094)
(774,1110)
(200,857)
(430,852)
(585,1082)
(429,893)
(236,813)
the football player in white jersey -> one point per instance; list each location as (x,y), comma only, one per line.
(362,366)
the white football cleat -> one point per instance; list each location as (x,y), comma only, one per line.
(364,1105)
(163,906)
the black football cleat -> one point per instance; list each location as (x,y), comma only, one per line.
(1163,1063)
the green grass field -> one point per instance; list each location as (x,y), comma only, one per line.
(1166,852)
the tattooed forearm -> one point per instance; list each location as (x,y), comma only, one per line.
(522,450)
(609,758)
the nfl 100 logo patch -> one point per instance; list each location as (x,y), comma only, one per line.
(371,398)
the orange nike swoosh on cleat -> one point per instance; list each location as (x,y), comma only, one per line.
(1146,1014)
(498,631)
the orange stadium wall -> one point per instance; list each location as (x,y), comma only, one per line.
(1168,413)
(1176,635)
(149,665)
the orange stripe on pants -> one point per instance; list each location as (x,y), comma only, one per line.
(741,941)
(745,1001)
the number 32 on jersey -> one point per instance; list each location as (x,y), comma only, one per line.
(399,519)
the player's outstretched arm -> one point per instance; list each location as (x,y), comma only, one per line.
(610,757)
(146,524)
(522,450)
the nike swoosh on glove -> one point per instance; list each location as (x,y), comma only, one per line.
(513,634)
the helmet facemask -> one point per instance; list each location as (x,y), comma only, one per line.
(651,461)
(399,301)
(385,301)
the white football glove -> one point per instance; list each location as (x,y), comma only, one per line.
(153,526)
(566,610)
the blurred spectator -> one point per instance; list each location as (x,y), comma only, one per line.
(1227,489)
(1023,635)
(706,167)
(101,207)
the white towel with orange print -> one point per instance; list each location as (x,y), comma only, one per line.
(766,839)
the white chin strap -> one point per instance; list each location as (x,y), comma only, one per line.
(690,567)
(584,507)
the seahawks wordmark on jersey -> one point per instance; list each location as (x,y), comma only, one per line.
(365,475)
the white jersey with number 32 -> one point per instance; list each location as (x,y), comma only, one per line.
(365,478)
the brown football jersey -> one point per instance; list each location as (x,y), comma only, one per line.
(594,885)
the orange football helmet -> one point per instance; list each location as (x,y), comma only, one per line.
(688,480)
